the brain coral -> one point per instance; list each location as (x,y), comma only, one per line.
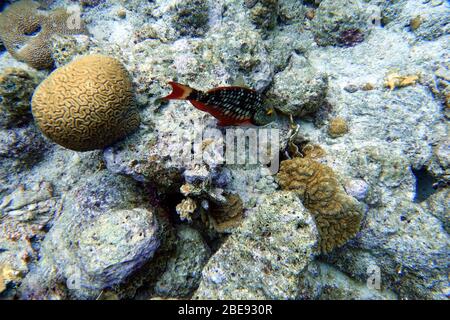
(337,215)
(228,215)
(87,104)
(26,32)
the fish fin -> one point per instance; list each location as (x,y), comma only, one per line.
(200,106)
(223,121)
(179,91)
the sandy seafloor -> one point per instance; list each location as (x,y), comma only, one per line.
(367,85)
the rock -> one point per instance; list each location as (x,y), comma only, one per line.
(191,17)
(184,268)
(21,148)
(437,205)
(101,237)
(400,239)
(114,246)
(300,89)
(324,282)
(26,214)
(357,188)
(102,108)
(16,88)
(65,49)
(265,256)
(342,22)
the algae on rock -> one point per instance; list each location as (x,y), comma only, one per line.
(264,257)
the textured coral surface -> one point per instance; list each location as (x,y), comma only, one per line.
(337,215)
(26,32)
(87,104)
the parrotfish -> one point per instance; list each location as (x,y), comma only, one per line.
(232,105)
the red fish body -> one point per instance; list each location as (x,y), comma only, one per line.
(230,105)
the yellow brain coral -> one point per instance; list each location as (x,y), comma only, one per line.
(87,104)
(337,215)
(26,32)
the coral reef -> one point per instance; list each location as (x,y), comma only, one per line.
(87,104)
(310,88)
(16,89)
(102,235)
(191,17)
(337,127)
(227,215)
(265,256)
(308,59)
(264,13)
(350,37)
(26,32)
(183,272)
(7,275)
(337,215)
(394,80)
(64,49)
(341,22)
(21,148)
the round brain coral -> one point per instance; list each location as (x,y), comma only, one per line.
(337,215)
(26,31)
(87,104)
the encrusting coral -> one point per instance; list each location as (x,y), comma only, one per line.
(26,32)
(337,214)
(337,127)
(87,104)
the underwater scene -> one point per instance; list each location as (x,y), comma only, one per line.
(224,150)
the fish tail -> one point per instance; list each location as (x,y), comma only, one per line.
(179,91)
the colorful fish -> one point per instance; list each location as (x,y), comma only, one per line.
(230,105)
